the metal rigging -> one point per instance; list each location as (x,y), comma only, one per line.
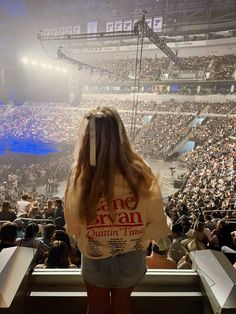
(141,30)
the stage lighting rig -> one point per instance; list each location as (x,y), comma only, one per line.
(82,65)
(141,30)
(141,27)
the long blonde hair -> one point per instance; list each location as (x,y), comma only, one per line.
(113,156)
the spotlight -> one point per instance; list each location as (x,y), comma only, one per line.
(25,60)
(33,62)
(44,65)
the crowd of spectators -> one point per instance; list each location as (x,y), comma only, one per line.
(162,133)
(171,105)
(157,132)
(195,63)
(213,129)
(31,122)
(223,67)
(161,88)
(209,193)
(52,246)
(153,69)
(183,106)
(199,211)
(17,176)
(124,69)
(222,108)
(37,221)
(208,198)
(191,234)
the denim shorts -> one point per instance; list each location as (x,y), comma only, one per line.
(120,271)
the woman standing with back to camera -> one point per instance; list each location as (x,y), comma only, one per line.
(113,207)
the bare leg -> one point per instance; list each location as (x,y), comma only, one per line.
(121,301)
(98,299)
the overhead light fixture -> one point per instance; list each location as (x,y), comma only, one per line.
(33,62)
(25,60)
(43,65)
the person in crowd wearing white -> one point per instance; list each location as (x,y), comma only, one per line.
(23,206)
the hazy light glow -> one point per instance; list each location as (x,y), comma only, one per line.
(25,60)
(34,62)
(44,65)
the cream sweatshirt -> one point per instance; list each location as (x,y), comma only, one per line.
(128,230)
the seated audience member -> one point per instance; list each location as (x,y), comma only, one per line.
(197,238)
(6,213)
(158,258)
(48,211)
(214,219)
(34,211)
(30,240)
(58,257)
(208,222)
(195,245)
(221,236)
(222,239)
(48,233)
(23,206)
(184,221)
(8,234)
(74,254)
(59,214)
(20,228)
(200,232)
(177,250)
(185,262)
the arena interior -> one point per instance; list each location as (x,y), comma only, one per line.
(169,68)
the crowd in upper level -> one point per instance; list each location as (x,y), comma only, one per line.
(159,126)
(208,67)
(196,210)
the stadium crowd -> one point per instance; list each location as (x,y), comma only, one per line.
(161,135)
(223,67)
(159,126)
(217,67)
(199,211)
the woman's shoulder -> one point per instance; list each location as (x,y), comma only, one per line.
(40,266)
(73,266)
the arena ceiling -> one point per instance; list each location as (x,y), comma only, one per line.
(216,10)
(20,20)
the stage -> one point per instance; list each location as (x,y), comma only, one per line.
(168,172)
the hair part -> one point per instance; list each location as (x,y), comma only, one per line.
(8,232)
(58,256)
(6,206)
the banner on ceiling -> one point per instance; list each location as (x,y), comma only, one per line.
(92,27)
(109,27)
(157,24)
